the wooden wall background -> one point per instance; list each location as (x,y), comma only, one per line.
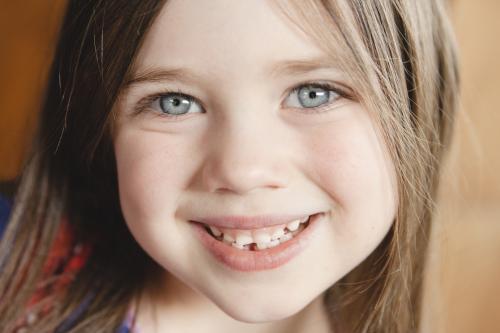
(462,293)
(28,30)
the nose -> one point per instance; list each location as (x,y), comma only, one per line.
(245,156)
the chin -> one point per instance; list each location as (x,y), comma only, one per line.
(261,313)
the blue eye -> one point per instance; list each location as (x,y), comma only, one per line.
(311,96)
(176,104)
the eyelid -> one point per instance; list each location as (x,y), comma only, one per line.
(341,90)
(147,102)
(344,92)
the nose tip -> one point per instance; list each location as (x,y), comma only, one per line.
(243,176)
(245,163)
(246,152)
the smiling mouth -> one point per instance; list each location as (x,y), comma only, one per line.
(252,250)
(259,239)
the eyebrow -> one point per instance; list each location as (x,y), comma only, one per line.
(295,67)
(281,68)
(154,75)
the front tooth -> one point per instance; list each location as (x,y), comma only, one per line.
(215,231)
(228,238)
(238,246)
(285,237)
(294,225)
(262,246)
(273,243)
(243,239)
(277,234)
(262,237)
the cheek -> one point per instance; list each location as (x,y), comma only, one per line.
(153,170)
(351,165)
(151,174)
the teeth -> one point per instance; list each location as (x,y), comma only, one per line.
(277,234)
(215,231)
(238,246)
(295,232)
(285,237)
(262,246)
(243,239)
(262,237)
(228,239)
(273,243)
(294,225)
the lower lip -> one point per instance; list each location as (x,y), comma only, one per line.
(251,261)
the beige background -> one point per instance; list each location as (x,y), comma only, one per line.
(463,294)
(464,276)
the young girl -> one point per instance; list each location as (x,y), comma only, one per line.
(223,166)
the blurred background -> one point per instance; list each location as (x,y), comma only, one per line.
(462,289)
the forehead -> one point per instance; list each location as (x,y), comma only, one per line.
(224,37)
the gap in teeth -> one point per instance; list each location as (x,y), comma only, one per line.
(285,236)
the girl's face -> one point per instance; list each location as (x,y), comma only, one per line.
(237,119)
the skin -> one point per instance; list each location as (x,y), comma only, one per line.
(251,151)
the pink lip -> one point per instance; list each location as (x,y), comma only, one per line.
(250,261)
(249,222)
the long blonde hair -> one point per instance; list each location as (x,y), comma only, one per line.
(399,53)
(401,56)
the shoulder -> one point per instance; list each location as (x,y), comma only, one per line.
(66,258)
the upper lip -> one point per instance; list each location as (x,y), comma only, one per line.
(250,222)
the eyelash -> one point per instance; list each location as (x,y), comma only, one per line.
(342,93)
(146,103)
